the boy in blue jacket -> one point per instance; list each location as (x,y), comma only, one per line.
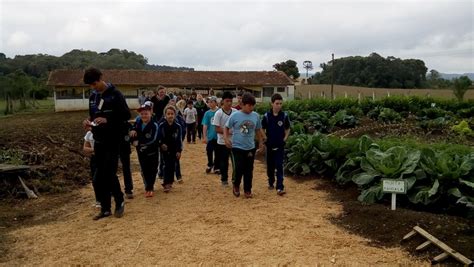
(276,125)
(171,145)
(145,132)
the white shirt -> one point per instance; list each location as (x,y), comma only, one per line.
(220,119)
(89,137)
(190,115)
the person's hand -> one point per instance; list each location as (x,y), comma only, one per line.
(100,120)
(133,133)
(86,124)
(164,147)
(88,151)
(178,155)
(228,143)
(204,140)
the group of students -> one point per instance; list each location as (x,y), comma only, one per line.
(234,132)
(158,133)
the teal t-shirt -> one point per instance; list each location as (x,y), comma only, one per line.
(244,126)
(208,121)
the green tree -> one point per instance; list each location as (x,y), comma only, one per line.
(461,85)
(289,67)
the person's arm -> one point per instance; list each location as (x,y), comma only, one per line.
(204,127)
(227,134)
(287,127)
(179,144)
(217,118)
(87,148)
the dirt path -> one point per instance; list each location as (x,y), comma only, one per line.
(200,222)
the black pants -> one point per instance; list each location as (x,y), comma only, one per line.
(149,165)
(274,159)
(125,152)
(105,178)
(211,148)
(191,132)
(93,168)
(242,161)
(223,155)
(199,130)
(170,159)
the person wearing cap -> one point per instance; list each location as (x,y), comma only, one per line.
(108,110)
(210,136)
(220,119)
(144,136)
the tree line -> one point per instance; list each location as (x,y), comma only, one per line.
(24,77)
(378,72)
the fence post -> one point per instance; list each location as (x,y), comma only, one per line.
(358,96)
(373,95)
(345,94)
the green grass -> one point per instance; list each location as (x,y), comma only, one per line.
(45,105)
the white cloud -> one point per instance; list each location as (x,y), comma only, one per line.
(18,39)
(246,35)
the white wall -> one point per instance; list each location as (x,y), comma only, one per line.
(83,104)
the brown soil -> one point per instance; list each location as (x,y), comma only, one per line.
(200,222)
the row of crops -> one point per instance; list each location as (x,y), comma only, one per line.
(438,175)
(327,116)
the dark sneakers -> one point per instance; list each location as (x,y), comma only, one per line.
(129,195)
(248,195)
(281,192)
(119,210)
(236,191)
(208,169)
(101,215)
(271,187)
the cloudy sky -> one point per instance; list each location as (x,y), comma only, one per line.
(245,35)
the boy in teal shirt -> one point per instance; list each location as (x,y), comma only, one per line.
(210,136)
(245,124)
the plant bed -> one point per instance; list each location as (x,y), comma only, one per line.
(386,228)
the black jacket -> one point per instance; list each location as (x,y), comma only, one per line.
(111,105)
(147,137)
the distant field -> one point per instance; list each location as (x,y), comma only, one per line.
(41,106)
(314,91)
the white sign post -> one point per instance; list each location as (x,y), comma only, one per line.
(395,187)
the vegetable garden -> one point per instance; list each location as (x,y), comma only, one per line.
(425,141)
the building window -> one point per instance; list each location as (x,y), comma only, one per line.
(268,91)
(281,89)
(69,93)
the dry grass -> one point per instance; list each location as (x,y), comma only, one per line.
(316,90)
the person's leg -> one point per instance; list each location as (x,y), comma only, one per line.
(152,162)
(127,173)
(238,158)
(193,127)
(248,159)
(170,163)
(209,151)
(114,183)
(270,160)
(178,170)
(100,178)
(215,150)
(199,130)
(188,132)
(279,155)
(161,167)
(142,161)
(224,162)
(93,167)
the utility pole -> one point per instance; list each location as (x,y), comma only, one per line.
(332,77)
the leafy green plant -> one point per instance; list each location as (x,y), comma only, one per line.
(394,163)
(462,129)
(343,120)
(388,115)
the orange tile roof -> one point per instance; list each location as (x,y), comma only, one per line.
(174,78)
